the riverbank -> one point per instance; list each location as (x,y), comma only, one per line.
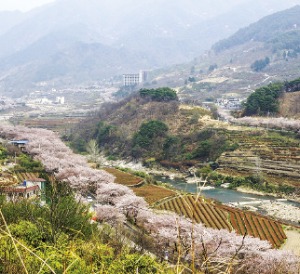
(274,208)
(260,193)
(138,166)
(282,211)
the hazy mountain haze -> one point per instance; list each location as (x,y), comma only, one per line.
(84,41)
(22,5)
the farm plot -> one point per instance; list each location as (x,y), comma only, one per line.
(201,211)
(124,178)
(225,217)
(257,226)
(152,193)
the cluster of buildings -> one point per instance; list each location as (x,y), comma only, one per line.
(230,103)
(45,101)
(8,103)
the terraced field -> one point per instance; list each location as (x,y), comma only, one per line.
(277,157)
(26,176)
(124,178)
(257,226)
(224,217)
(198,210)
(204,211)
(152,193)
(9,178)
(57,124)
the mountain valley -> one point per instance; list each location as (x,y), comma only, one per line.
(150,137)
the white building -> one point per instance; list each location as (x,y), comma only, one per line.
(60,100)
(134,79)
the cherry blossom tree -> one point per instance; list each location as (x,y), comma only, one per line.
(224,251)
(110,215)
(45,146)
(276,123)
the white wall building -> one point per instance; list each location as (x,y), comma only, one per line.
(60,100)
(134,78)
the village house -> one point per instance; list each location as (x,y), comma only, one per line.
(19,143)
(22,185)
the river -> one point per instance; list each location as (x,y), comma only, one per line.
(225,195)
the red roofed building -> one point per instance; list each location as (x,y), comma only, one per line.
(31,186)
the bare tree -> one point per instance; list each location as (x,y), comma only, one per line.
(93,150)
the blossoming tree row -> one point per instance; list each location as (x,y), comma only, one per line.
(181,237)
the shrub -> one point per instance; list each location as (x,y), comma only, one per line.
(259,65)
(3,153)
(26,164)
(149,139)
(159,94)
(264,100)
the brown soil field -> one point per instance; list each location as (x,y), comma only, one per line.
(152,193)
(124,178)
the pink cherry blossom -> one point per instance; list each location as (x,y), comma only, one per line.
(169,231)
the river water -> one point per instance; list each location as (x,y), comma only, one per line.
(224,195)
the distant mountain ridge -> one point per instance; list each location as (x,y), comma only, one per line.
(265,30)
(267,51)
(8,19)
(75,42)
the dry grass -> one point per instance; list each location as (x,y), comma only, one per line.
(214,80)
(289,105)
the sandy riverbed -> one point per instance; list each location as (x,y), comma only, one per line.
(252,191)
(249,190)
(293,241)
(282,211)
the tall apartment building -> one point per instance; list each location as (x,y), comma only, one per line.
(134,79)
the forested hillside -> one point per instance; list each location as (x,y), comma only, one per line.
(279,31)
(90,42)
(171,135)
(274,99)
(153,126)
(262,53)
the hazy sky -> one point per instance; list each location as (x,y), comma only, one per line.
(22,5)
